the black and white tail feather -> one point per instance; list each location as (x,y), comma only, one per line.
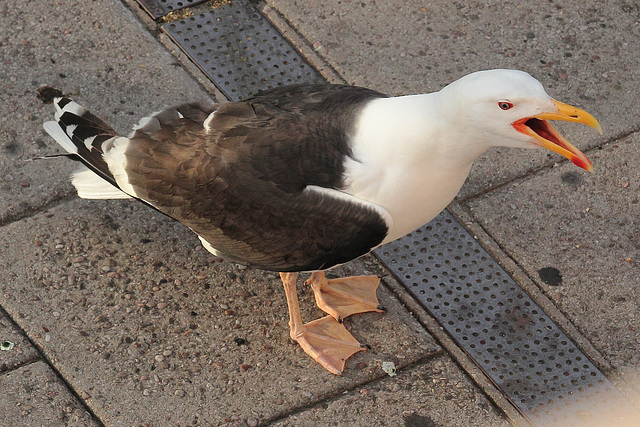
(86,138)
(98,147)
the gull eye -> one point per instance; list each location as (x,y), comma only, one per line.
(505,105)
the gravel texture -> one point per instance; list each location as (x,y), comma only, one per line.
(32,395)
(135,309)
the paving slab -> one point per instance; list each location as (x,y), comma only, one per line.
(577,236)
(15,348)
(96,52)
(582,53)
(32,395)
(134,313)
(432,394)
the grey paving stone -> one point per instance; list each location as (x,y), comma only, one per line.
(433,394)
(157,330)
(583,54)
(96,52)
(32,395)
(577,235)
(15,348)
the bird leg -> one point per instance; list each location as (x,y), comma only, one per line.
(325,340)
(345,296)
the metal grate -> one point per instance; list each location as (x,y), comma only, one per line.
(506,333)
(240,51)
(160,8)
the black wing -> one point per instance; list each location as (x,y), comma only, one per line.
(261,186)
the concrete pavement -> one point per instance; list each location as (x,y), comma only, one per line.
(118,317)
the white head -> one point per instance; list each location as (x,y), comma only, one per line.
(510,108)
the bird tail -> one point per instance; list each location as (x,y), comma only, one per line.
(85,137)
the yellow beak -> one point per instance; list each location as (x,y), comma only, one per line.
(548,137)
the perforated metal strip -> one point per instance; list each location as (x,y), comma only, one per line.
(240,50)
(501,328)
(160,8)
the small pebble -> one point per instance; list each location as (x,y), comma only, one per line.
(146,392)
(167,353)
(25,184)
(252,422)
(179,393)
(85,396)
(162,305)
(159,358)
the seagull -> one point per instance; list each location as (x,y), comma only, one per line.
(307,177)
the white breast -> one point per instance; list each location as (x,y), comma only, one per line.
(407,160)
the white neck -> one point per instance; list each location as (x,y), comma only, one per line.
(406,163)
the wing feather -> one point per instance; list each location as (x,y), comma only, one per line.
(260,181)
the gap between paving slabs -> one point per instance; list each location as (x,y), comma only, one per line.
(19,359)
(15,348)
(245,54)
(32,395)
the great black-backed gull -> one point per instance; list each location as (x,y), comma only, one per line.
(303,178)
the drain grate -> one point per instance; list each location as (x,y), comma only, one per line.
(240,50)
(507,334)
(160,8)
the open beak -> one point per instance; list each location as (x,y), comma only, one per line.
(548,137)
